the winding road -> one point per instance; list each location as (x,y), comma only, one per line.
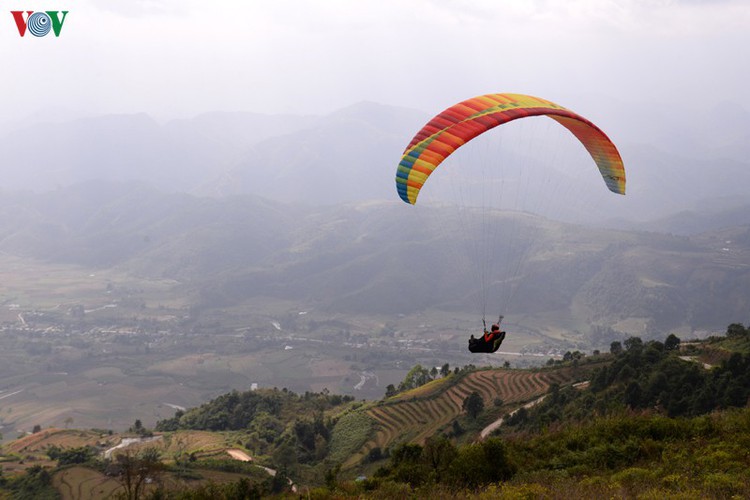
(244,457)
(497,423)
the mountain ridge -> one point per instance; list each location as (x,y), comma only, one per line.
(351,154)
(351,257)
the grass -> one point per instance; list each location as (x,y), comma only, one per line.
(426,390)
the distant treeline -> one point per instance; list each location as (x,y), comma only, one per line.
(236,410)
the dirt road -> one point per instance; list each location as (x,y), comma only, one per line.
(244,457)
(240,455)
(497,423)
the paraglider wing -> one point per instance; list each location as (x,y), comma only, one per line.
(464,121)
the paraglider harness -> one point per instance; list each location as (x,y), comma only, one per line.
(490,341)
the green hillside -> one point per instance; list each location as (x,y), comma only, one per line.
(418,414)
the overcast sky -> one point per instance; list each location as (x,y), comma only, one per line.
(176,58)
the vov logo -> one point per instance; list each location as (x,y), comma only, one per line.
(39,23)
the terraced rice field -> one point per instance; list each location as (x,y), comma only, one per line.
(63,438)
(83,484)
(416,415)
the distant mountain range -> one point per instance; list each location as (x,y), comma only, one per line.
(674,164)
(236,205)
(383,258)
(178,156)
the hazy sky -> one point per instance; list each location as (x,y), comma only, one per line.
(182,57)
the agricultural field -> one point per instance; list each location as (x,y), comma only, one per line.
(30,450)
(82,482)
(416,415)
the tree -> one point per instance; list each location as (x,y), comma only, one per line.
(633,344)
(658,384)
(473,404)
(633,394)
(268,427)
(438,453)
(479,464)
(626,373)
(408,466)
(36,483)
(736,330)
(285,454)
(456,428)
(445,370)
(672,342)
(70,456)
(406,453)
(375,454)
(554,393)
(180,446)
(137,469)
(615,347)
(280,482)
(390,390)
(416,377)
(330,477)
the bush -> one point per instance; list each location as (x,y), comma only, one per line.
(480,464)
(70,456)
(374,455)
(723,485)
(634,477)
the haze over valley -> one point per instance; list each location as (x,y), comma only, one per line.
(160,251)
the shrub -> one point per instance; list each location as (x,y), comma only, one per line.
(721,484)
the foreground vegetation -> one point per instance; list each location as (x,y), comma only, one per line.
(619,456)
(629,455)
(652,420)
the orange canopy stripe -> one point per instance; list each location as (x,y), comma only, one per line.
(462,122)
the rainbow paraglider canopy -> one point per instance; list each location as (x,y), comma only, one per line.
(462,122)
